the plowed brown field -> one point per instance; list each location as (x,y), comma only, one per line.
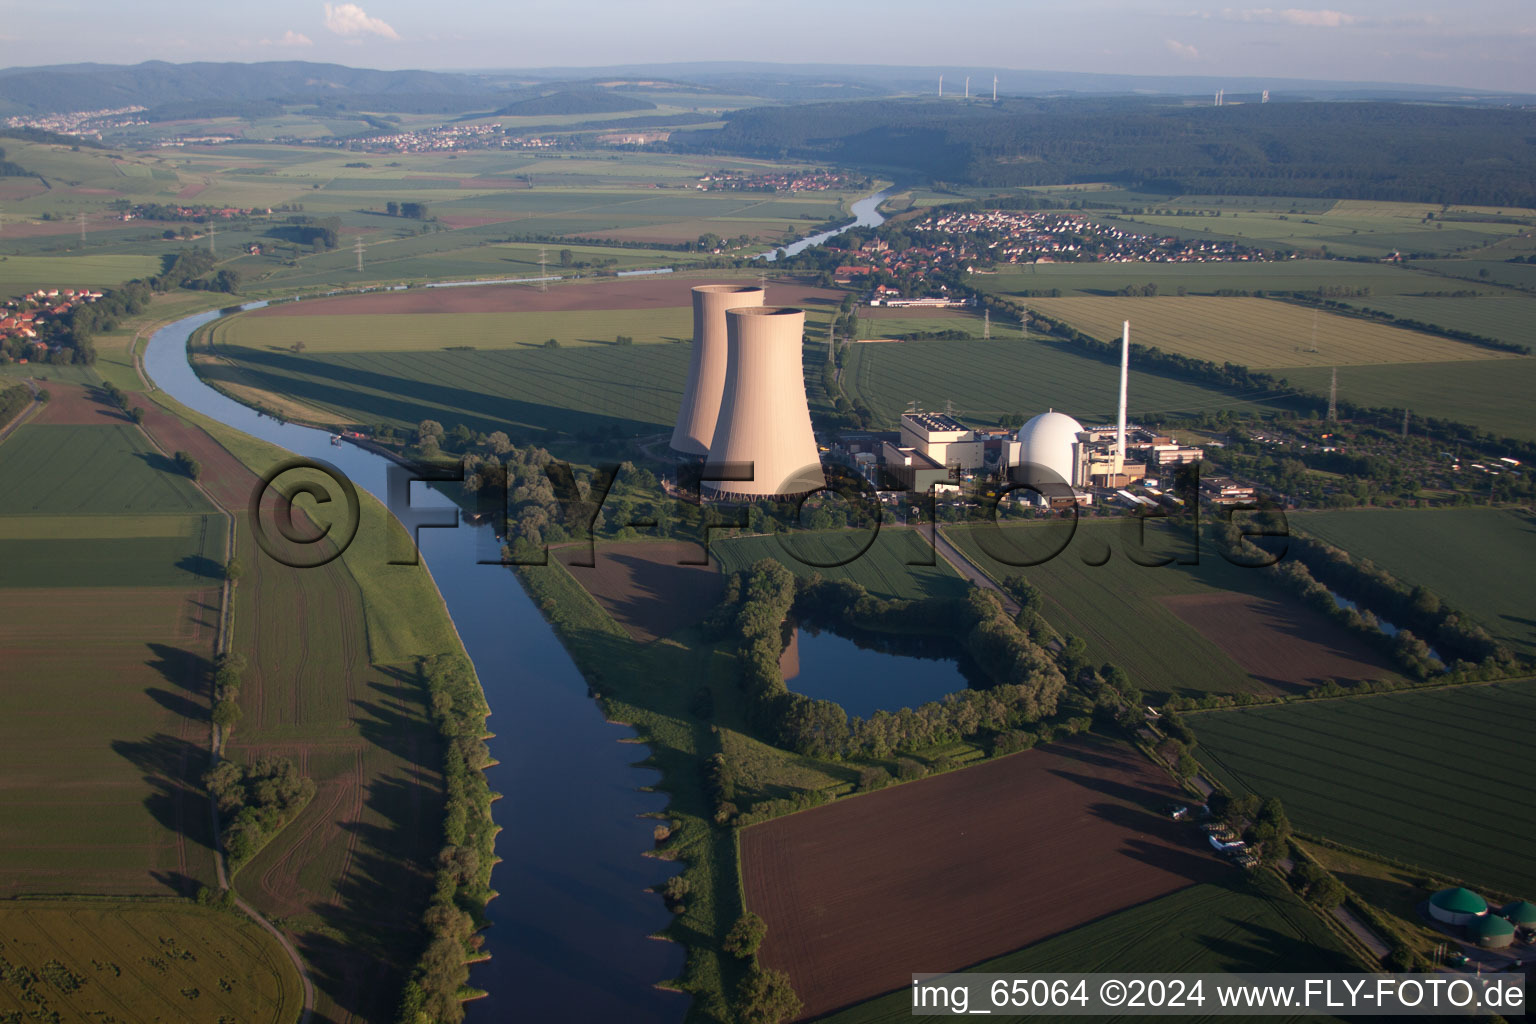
(943,873)
(651,293)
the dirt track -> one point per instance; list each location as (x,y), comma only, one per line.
(645,293)
(946,872)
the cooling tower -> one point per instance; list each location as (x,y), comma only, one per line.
(706,368)
(764,422)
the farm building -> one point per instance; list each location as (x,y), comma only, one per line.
(1457,906)
(1521,914)
(1492,932)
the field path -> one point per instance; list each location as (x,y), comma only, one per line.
(965,567)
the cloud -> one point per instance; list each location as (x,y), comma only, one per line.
(1184,50)
(352,20)
(292,38)
(1320,18)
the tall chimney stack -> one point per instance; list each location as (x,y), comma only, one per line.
(1125,373)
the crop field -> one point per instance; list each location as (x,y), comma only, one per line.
(1480,272)
(1209,278)
(1480,561)
(104,729)
(1346,229)
(106,469)
(345,876)
(1010,851)
(899,563)
(988,380)
(652,589)
(1510,318)
(111,551)
(1493,395)
(1428,778)
(1257,333)
(166,961)
(630,294)
(632,389)
(1176,629)
(880,322)
(25,273)
(1211,927)
(395,332)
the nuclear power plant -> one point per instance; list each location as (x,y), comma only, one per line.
(763,445)
(1053,456)
(706,366)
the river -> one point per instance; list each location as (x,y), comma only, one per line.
(866,214)
(569,936)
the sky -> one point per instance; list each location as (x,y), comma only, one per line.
(1486,44)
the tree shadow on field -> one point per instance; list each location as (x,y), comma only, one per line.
(187,671)
(173,769)
(1142,796)
(201,566)
(371,930)
(180,883)
(1256,947)
(160,463)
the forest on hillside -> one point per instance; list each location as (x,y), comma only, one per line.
(1409,152)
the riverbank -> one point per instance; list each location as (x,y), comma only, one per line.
(336,661)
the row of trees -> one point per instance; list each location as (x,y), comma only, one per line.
(463,866)
(1409,607)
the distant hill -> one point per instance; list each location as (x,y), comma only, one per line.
(585,101)
(156,84)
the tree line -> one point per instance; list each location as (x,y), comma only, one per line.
(462,870)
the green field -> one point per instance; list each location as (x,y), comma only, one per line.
(988,380)
(524,392)
(1492,395)
(69,469)
(1435,778)
(416,332)
(111,551)
(883,569)
(1115,606)
(1257,333)
(1246,926)
(1208,278)
(1348,228)
(147,961)
(20,274)
(1510,318)
(1480,561)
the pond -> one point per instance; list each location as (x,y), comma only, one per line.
(874,673)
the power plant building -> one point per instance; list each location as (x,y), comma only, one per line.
(700,408)
(762,445)
(943,439)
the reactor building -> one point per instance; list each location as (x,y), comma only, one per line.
(706,365)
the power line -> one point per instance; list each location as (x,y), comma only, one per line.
(1333,396)
(543,272)
(357,247)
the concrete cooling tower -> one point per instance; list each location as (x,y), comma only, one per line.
(706,368)
(764,421)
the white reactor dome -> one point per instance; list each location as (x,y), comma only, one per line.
(1046,443)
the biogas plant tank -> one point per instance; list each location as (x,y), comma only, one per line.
(764,421)
(1047,447)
